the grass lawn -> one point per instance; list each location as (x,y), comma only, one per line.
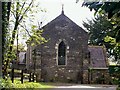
(26,84)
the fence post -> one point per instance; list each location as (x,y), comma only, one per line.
(12,76)
(12,72)
(33,77)
(22,76)
(30,77)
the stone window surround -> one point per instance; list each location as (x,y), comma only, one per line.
(67,50)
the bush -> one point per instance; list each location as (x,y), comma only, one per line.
(118,88)
(115,81)
(6,83)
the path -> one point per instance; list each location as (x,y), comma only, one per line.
(87,87)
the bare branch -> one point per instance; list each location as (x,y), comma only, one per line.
(26,30)
(17,22)
(25,11)
(22,8)
(17,8)
(13,13)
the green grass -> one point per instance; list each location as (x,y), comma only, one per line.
(26,84)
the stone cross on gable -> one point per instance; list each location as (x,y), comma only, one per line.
(62,8)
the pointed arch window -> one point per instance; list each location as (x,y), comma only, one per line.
(62,54)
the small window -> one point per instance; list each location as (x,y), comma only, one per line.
(62,54)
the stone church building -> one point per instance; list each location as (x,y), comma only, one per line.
(67,57)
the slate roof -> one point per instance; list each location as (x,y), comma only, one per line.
(97,57)
(59,20)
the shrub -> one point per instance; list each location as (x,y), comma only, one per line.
(115,81)
(6,83)
(118,88)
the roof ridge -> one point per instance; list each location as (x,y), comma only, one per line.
(62,14)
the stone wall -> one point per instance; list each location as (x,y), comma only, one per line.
(99,76)
(75,39)
(77,56)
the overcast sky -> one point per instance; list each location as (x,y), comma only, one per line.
(53,9)
(71,9)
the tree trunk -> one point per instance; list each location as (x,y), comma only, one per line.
(0,41)
(5,22)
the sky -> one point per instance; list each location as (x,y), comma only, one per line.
(71,9)
(53,9)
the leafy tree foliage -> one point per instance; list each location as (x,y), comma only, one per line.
(19,12)
(99,28)
(5,18)
(36,37)
(21,48)
(112,10)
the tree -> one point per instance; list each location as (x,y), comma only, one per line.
(21,48)
(18,14)
(0,41)
(98,29)
(5,21)
(5,7)
(112,10)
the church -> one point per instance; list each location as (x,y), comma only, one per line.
(67,57)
